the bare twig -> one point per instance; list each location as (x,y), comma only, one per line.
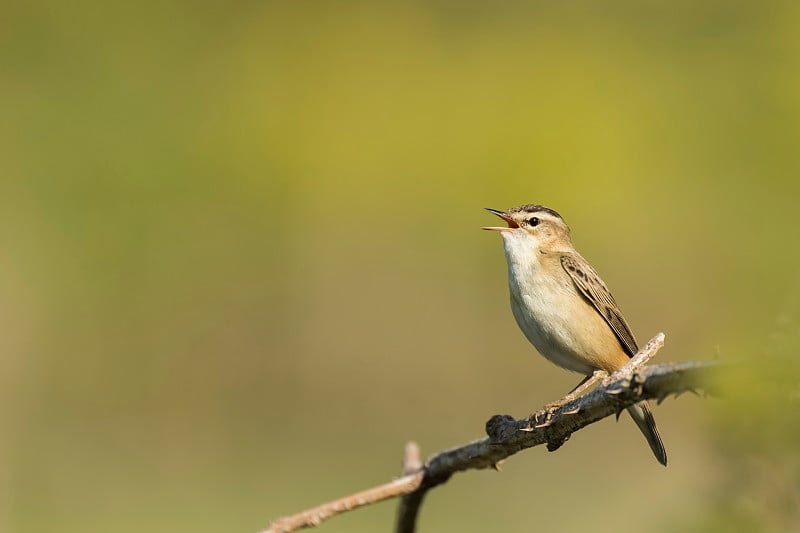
(640,359)
(409,503)
(315,516)
(506,438)
(411,461)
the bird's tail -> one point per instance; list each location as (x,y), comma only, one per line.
(643,417)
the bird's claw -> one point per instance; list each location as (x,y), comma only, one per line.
(548,411)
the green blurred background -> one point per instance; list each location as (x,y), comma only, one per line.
(241,263)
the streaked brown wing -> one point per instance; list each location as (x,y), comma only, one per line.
(593,288)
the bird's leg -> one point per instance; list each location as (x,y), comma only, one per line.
(579,389)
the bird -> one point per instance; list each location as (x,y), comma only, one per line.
(563,307)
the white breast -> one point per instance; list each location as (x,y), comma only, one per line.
(547,307)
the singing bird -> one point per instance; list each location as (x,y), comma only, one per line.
(563,307)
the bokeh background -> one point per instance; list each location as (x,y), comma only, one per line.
(241,263)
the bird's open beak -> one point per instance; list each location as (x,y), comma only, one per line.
(512,224)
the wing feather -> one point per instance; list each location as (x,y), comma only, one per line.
(593,288)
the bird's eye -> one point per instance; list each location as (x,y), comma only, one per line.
(534,221)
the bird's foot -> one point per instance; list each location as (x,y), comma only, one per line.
(548,412)
(543,418)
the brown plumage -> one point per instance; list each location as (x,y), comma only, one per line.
(563,306)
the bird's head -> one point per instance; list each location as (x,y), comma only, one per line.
(532,227)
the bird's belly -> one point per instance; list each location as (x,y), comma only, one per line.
(565,329)
(551,334)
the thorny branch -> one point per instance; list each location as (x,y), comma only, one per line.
(507,436)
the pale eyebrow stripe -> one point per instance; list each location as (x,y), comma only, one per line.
(534,209)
